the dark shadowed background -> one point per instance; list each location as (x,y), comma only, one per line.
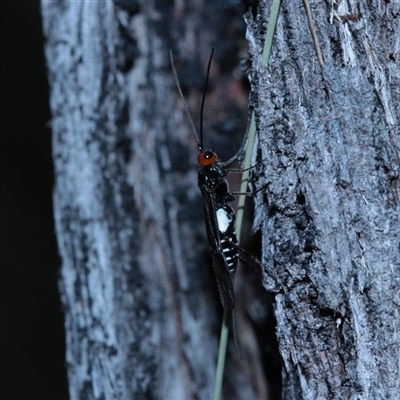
(32,337)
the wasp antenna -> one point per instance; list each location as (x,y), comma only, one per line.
(199,143)
(203,100)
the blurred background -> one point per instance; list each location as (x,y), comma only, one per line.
(32,332)
(32,337)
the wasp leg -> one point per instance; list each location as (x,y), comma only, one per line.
(248,193)
(239,171)
(245,257)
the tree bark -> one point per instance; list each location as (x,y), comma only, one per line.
(142,314)
(141,307)
(330,149)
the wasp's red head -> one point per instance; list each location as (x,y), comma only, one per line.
(206,157)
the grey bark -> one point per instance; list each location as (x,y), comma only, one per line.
(142,313)
(330,217)
(141,310)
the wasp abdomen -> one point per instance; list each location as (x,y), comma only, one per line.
(229,243)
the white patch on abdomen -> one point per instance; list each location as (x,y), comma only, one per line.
(224,220)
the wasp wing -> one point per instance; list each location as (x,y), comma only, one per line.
(221,271)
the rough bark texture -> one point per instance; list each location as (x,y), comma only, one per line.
(330,149)
(142,313)
(141,308)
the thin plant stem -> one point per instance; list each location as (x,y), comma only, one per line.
(270,32)
(242,198)
(313,32)
(223,343)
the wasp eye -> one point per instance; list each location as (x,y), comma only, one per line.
(208,154)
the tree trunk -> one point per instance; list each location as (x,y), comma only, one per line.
(141,307)
(330,217)
(142,311)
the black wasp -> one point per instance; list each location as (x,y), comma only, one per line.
(220,223)
(219,215)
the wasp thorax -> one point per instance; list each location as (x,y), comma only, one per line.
(206,157)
